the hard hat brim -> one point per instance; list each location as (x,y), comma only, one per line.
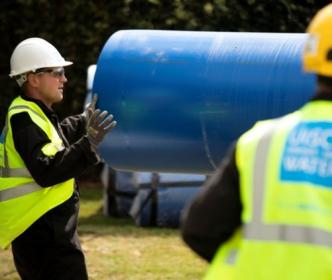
(62,64)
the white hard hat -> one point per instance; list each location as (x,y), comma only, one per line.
(35,53)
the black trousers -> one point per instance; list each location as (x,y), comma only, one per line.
(50,249)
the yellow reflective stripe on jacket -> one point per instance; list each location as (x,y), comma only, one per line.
(48,149)
(18,191)
(17,107)
(15,172)
(51,149)
(6,171)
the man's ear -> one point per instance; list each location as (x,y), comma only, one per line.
(33,80)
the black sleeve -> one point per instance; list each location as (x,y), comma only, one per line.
(73,128)
(215,213)
(47,171)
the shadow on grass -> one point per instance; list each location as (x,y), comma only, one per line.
(98,224)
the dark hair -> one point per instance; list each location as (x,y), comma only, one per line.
(324,89)
(325,80)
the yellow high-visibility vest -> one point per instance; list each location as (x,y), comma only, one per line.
(285,169)
(22,200)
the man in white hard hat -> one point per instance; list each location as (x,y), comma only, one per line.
(267,212)
(39,159)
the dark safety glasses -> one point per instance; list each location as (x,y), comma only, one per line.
(55,72)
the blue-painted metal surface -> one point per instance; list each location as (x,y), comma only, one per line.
(174,190)
(162,208)
(180,98)
(171,202)
(126,188)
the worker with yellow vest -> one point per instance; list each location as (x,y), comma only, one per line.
(39,159)
(267,212)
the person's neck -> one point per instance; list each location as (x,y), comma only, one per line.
(36,96)
(323,92)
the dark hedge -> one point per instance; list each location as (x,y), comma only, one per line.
(79,29)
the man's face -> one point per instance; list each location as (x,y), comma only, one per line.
(50,85)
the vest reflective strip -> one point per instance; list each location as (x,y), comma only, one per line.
(256,229)
(18,191)
(231,258)
(289,233)
(6,172)
(5,157)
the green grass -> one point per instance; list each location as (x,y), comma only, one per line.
(117,249)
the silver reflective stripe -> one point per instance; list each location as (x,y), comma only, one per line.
(18,191)
(289,233)
(14,172)
(260,171)
(256,229)
(5,157)
(231,258)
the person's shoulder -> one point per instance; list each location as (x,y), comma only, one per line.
(259,128)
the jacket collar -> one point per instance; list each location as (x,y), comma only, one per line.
(45,109)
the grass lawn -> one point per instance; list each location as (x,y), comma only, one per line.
(117,249)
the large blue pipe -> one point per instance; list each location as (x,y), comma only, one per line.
(180,97)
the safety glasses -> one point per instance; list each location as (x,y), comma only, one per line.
(55,72)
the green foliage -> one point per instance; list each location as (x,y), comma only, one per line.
(79,29)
